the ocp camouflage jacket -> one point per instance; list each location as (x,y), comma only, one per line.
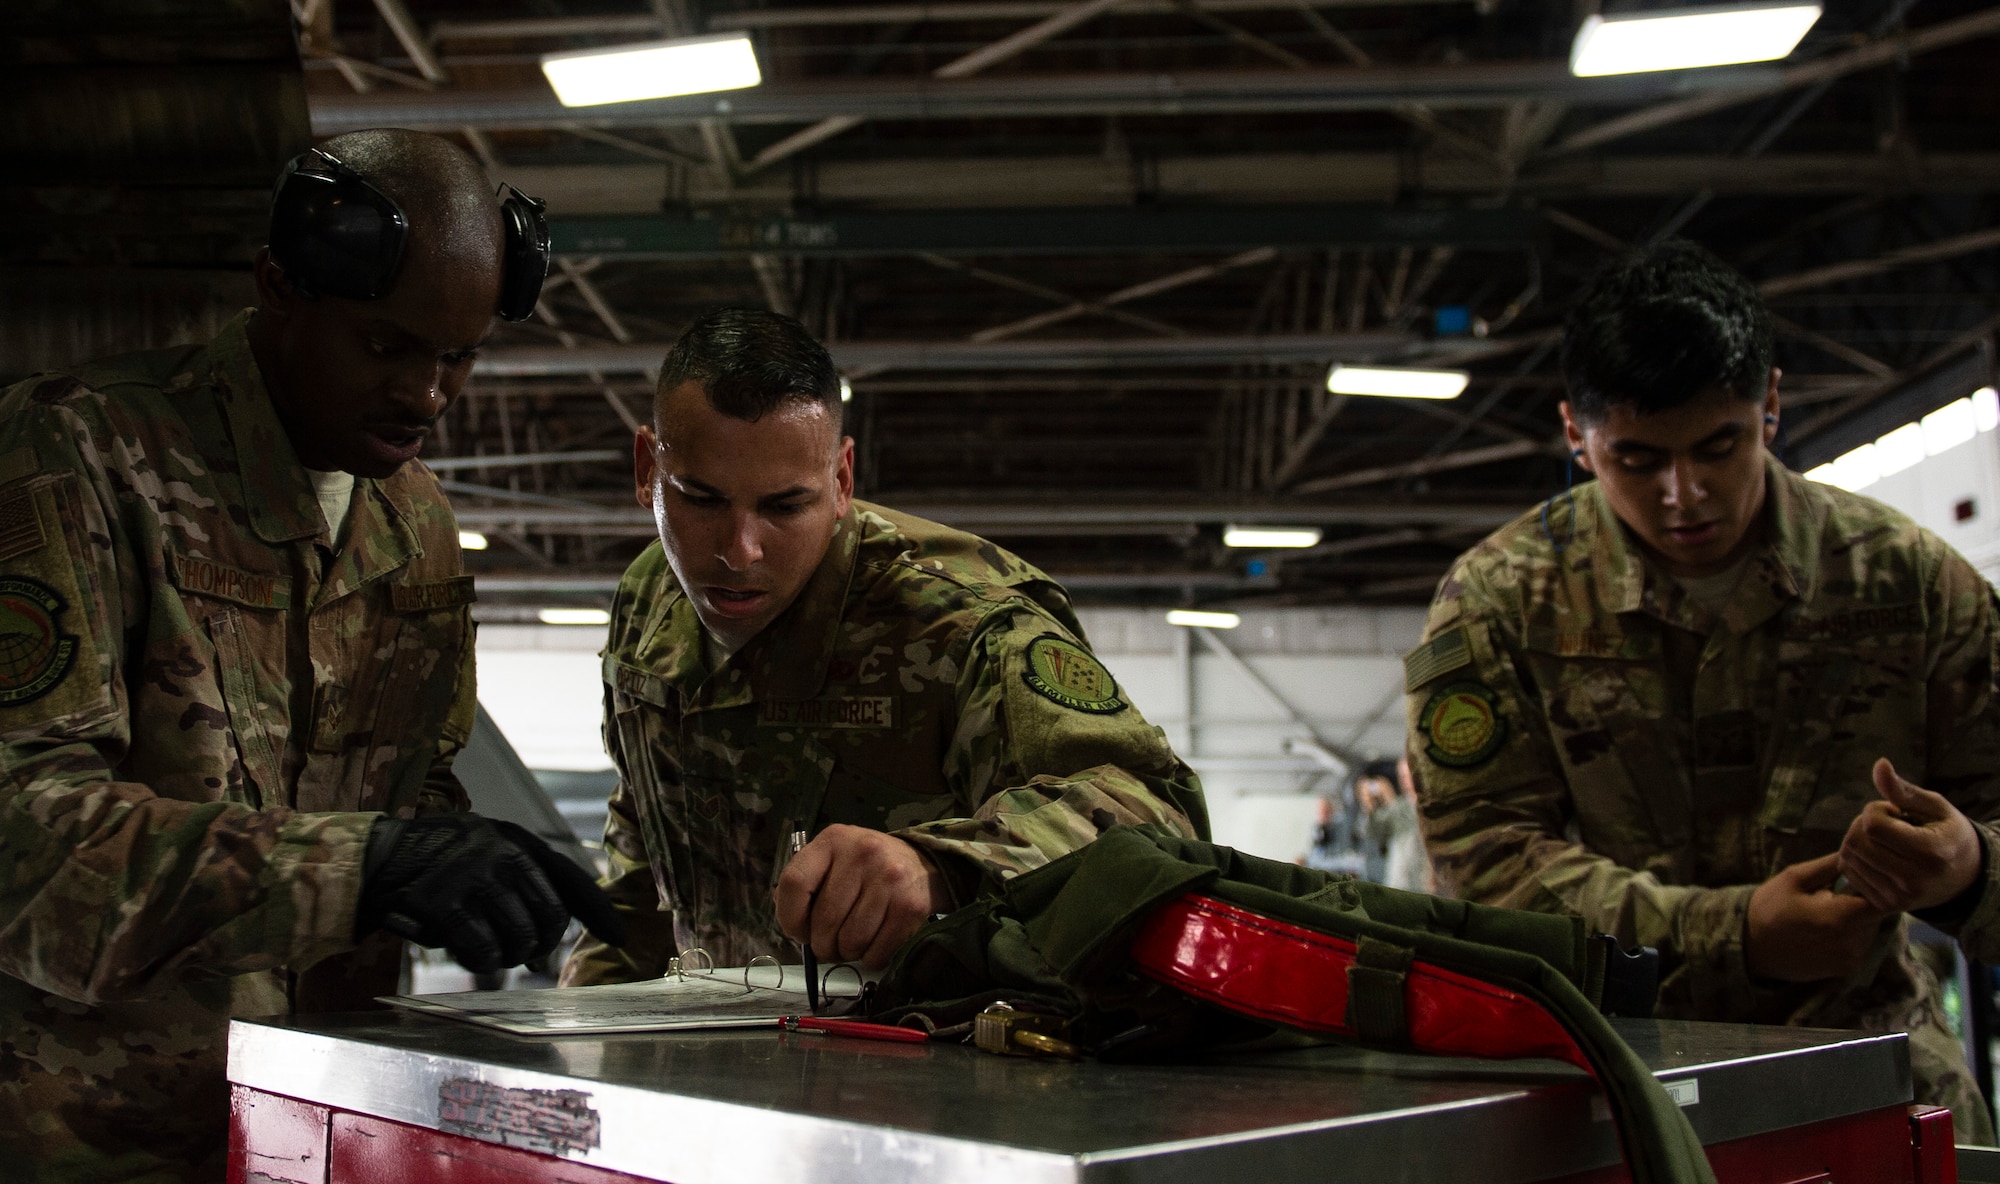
(201,706)
(925,683)
(1591,740)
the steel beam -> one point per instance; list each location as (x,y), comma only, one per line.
(1060,230)
(797,16)
(1220,648)
(1904,400)
(1424,466)
(1013,519)
(1464,85)
(1226,180)
(451,464)
(1853,269)
(1318,348)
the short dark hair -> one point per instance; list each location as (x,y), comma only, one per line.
(1385,769)
(751,362)
(1660,327)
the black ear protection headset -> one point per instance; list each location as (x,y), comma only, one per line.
(334,234)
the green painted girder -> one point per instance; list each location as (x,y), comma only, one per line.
(1063,230)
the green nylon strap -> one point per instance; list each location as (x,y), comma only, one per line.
(1059,935)
(1375,984)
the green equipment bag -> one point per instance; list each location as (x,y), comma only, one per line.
(1146,943)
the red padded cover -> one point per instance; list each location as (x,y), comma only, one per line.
(1287,974)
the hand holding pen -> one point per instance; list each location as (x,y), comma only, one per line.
(812,963)
(856,895)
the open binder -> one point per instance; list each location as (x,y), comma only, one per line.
(692,995)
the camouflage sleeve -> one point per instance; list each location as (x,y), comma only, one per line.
(107,890)
(442,793)
(650,929)
(1496,814)
(1963,725)
(1047,754)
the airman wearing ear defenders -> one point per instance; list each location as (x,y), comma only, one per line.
(235,666)
(1693,700)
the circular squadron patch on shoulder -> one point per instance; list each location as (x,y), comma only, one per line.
(35,653)
(1461,725)
(1064,672)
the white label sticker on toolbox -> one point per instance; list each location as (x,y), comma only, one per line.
(1685,1092)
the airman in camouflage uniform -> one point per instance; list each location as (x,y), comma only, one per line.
(926,683)
(1660,701)
(202,705)
(1590,740)
(235,665)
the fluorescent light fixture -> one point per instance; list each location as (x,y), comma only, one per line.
(1856,470)
(1395,382)
(1948,427)
(846,392)
(1900,449)
(1271,536)
(1825,474)
(574,616)
(1689,38)
(471,540)
(1201,620)
(1986,408)
(652,70)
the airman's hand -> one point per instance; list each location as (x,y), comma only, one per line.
(1910,849)
(1800,931)
(857,895)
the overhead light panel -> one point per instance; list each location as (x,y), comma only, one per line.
(1688,38)
(1396,382)
(471,540)
(1899,450)
(1201,620)
(1986,409)
(574,616)
(1948,427)
(846,392)
(652,70)
(1271,536)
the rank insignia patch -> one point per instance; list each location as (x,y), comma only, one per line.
(1462,725)
(34,652)
(1063,672)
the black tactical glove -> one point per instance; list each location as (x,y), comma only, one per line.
(490,893)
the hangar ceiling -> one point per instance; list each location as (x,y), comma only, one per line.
(1086,262)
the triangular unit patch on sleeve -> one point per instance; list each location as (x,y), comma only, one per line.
(1062,671)
(1440,655)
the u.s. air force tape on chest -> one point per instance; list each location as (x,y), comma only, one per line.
(205,577)
(837,711)
(1440,655)
(424,595)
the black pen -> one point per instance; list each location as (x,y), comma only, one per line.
(812,963)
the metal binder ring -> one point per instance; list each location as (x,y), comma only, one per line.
(762,960)
(692,961)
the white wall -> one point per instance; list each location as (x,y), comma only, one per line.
(1931,490)
(542,685)
(1339,668)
